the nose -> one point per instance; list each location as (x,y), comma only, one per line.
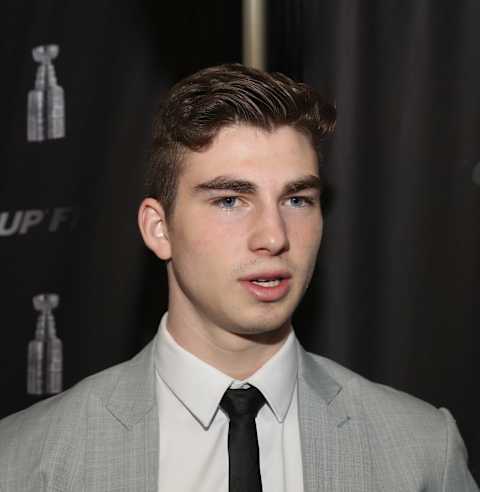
(269,233)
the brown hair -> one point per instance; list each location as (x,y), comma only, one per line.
(199,106)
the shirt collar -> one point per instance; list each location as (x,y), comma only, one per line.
(200,387)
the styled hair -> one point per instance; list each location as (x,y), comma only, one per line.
(199,106)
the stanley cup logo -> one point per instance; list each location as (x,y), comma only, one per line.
(45,358)
(46,104)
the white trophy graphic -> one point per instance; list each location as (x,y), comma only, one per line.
(46,102)
(45,355)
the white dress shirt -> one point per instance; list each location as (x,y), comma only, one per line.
(194,430)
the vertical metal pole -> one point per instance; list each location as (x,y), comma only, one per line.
(254,33)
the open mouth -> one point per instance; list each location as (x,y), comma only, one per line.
(268,286)
(267,283)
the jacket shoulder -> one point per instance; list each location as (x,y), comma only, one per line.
(407,437)
(389,415)
(375,396)
(395,422)
(53,442)
(26,435)
(411,444)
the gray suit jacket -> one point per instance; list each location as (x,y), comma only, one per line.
(102,435)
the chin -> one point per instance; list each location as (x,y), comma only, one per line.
(262,324)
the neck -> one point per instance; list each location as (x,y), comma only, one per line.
(237,355)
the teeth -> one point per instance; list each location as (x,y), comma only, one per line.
(266,283)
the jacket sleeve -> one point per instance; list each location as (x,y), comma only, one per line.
(456,476)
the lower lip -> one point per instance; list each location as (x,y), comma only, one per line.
(268,294)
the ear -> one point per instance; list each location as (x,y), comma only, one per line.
(153,227)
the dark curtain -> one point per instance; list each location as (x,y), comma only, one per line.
(396,294)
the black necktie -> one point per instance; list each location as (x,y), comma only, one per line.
(242,406)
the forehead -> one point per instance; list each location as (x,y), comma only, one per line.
(253,153)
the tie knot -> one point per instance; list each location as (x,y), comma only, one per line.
(240,402)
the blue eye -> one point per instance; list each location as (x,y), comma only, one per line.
(227,202)
(300,201)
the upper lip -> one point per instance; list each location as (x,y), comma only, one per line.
(271,275)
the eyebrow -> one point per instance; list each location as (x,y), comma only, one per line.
(236,185)
(227,183)
(310,182)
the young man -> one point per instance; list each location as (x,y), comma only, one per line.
(224,398)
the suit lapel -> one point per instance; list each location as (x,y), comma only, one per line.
(335,449)
(122,436)
(122,452)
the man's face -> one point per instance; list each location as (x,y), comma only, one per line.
(245,230)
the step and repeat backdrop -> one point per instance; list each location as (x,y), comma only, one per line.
(80,80)
(396,293)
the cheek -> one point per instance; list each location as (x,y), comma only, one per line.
(202,248)
(209,235)
(318,233)
(306,234)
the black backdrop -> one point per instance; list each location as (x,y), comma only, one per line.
(395,295)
